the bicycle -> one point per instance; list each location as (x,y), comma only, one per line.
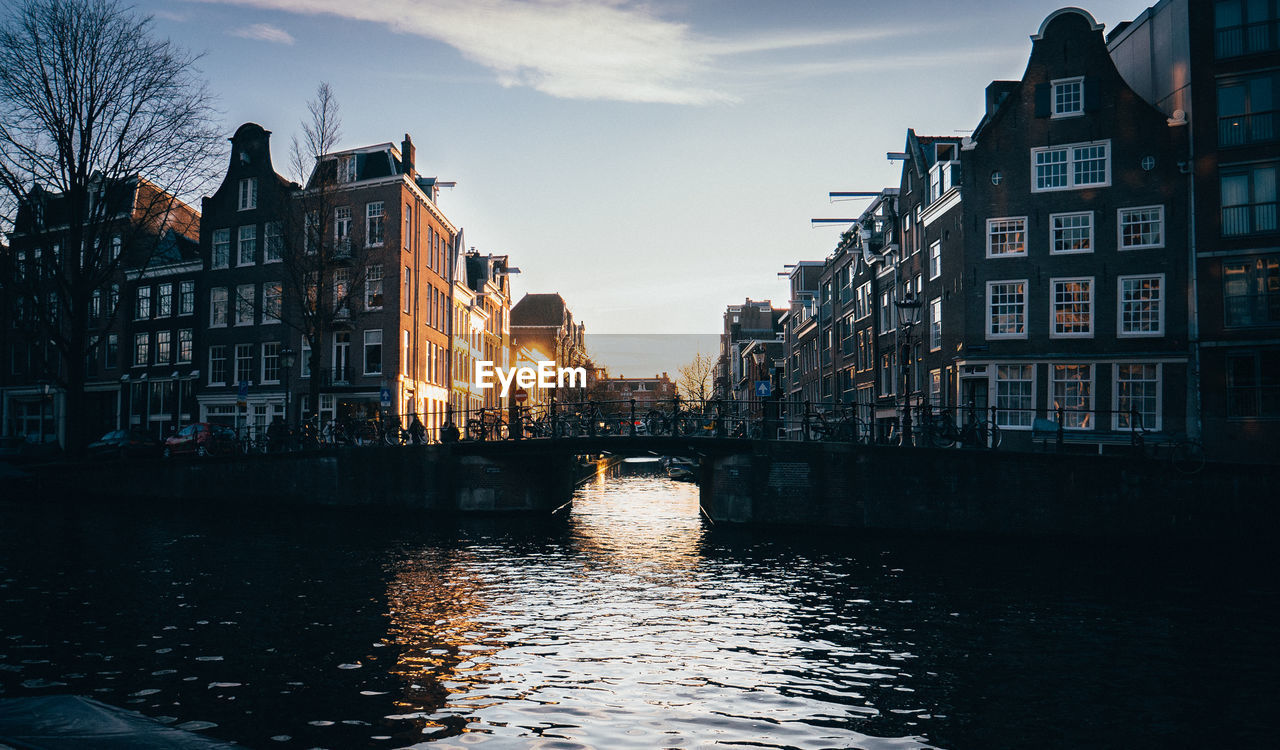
(1185,455)
(942,431)
(488,423)
(841,427)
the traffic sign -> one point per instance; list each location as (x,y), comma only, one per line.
(243,393)
(385,396)
(521,395)
(764,389)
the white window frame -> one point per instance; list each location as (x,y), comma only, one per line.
(1070,148)
(1120,212)
(1093,308)
(1120,332)
(250,236)
(272,243)
(267,317)
(1089,418)
(935,320)
(1026,289)
(225,367)
(1053,97)
(1053,232)
(375,210)
(251,298)
(364,352)
(262,366)
(935,259)
(189,335)
(248,194)
(993,389)
(226,309)
(1025,237)
(1115,397)
(370,278)
(142,344)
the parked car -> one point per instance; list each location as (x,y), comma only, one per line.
(201,439)
(126,444)
(19,449)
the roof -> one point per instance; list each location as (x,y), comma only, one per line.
(539,310)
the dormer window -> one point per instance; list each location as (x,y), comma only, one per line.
(346,169)
(1068,97)
(248,193)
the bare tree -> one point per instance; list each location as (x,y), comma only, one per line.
(103,127)
(694,380)
(324,252)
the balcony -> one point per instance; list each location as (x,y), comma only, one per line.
(1247,39)
(342,250)
(1244,129)
(342,320)
(1250,218)
(337,375)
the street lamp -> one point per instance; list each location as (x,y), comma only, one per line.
(287,358)
(908,317)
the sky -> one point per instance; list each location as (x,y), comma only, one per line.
(653,161)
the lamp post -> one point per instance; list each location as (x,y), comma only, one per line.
(908,317)
(287,358)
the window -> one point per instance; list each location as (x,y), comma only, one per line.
(935,260)
(373,287)
(886,313)
(221,248)
(935,324)
(141,349)
(1141,227)
(1015,395)
(246,296)
(186,297)
(407,292)
(887,381)
(95,304)
(1071,233)
(185,347)
(1074,166)
(244,363)
(248,193)
(1251,291)
(1246,110)
(271,296)
(1243,27)
(164,308)
(113,299)
(1068,97)
(1007,309)
(115,247)
(346,169)
(1071,308)
(218,365)
(112,350)
(311,232)
(1006,237)
(1141,305)
(1249,201)
(342,229)
(862,301)
(404,355)
(273,244)
(271,362)
(1253,385)
(304,358)
(218,306)
(248,245)
(164,347)
(142,303)
(935,387)
(1136,397)
(373,352)
(1073,394)
(341,285)
(408,228)
(374,215)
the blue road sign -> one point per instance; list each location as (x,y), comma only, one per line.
(385,395)
(243,393)
(764,389)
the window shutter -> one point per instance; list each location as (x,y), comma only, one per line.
(1092,95)
(1043,93)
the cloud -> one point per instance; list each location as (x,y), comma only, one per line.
(169,15)
(616,50)
(264,32)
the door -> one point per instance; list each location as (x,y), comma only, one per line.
(341,354)
(973,393)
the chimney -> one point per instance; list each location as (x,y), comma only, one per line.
(407,156)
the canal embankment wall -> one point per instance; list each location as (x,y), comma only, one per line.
(988,492)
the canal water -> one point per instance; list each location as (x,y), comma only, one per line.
(629,621)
